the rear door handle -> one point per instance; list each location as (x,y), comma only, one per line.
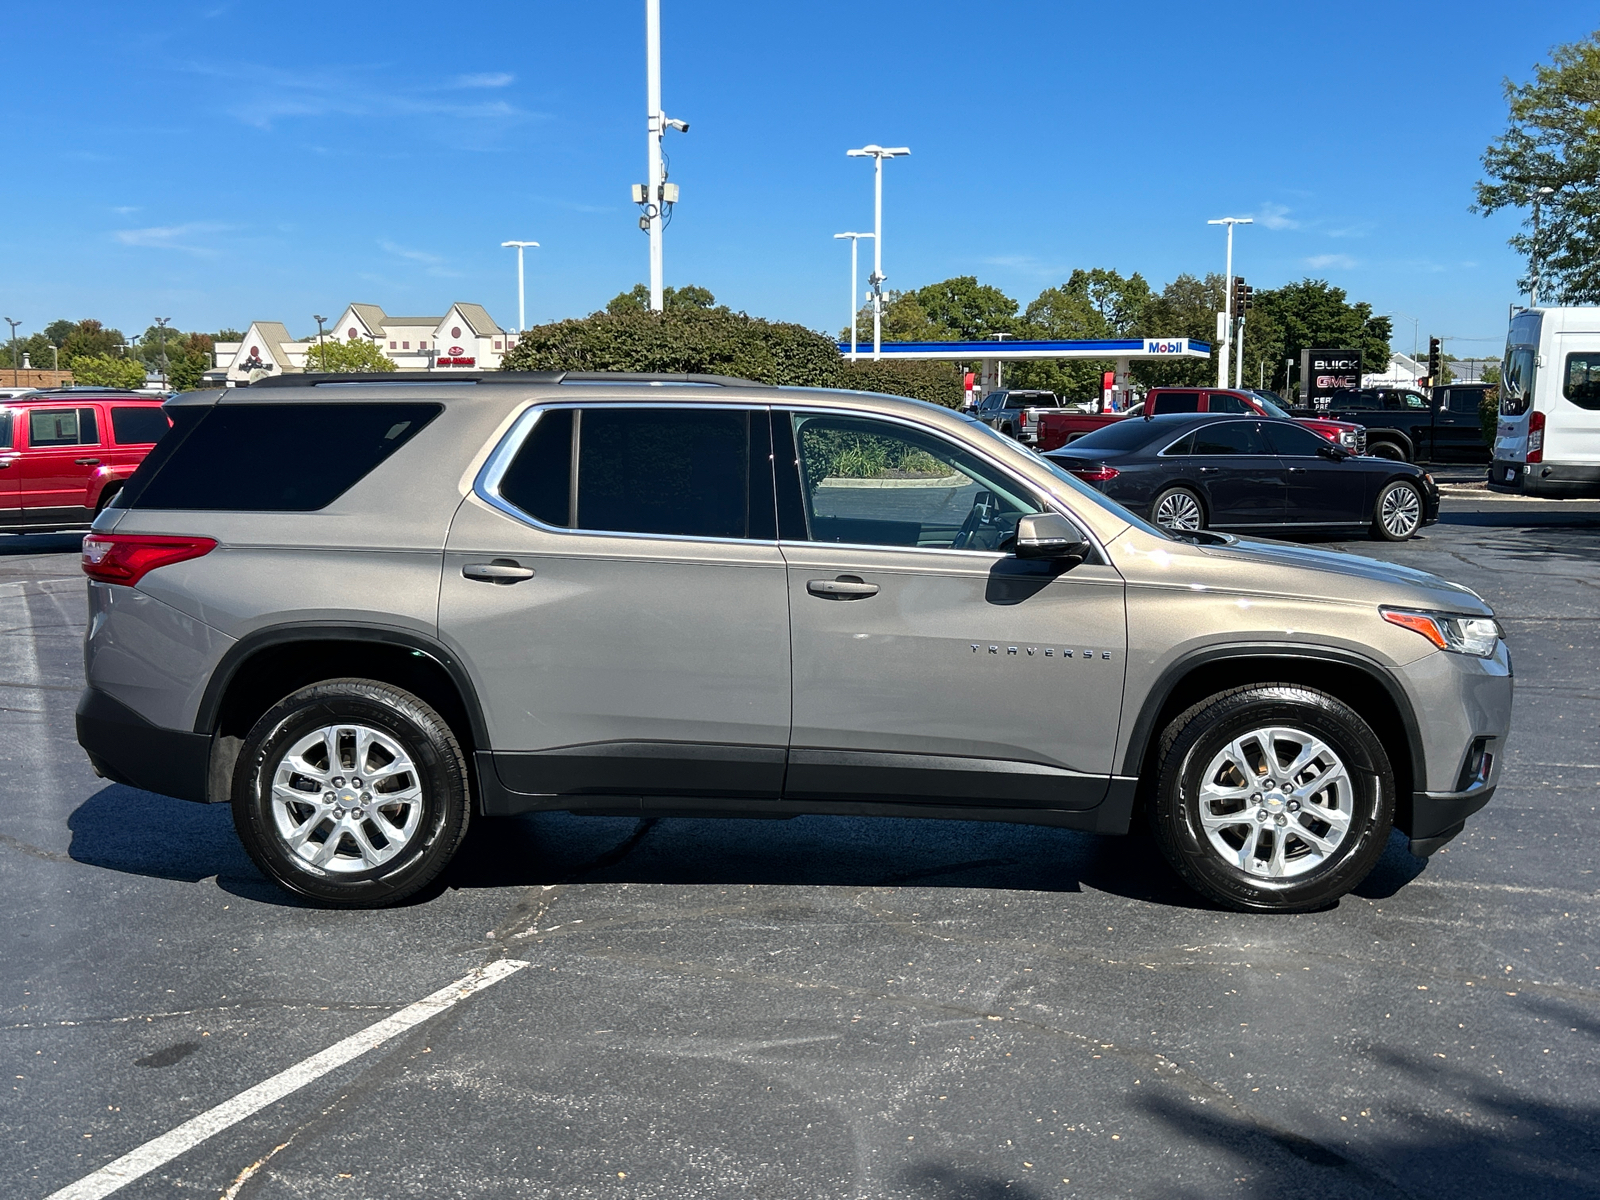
(846,587)
(1297,470)
(87,462)
(1207,470)
(501,570)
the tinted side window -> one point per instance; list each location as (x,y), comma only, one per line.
(1184,445)
(1295,440)
(878,483)
(1177,402)
(274,457)
(1464,401)
(5,431)
(1580,382)
(1230,437)
(54,427)
(141,425)
(1355,400)
(1224,403)
(539,479)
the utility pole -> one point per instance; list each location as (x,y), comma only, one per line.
(161,337)
(322,359)
(854,238)
(877,154)
(1533,283)
(13,324)
(522,310)
(656,197)
(1227,296)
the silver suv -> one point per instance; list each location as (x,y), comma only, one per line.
(364,612)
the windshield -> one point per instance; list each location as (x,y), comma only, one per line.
(1271,407)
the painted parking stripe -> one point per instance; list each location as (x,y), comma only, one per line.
(162,1150)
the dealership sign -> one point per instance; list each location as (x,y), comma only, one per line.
(1324,372)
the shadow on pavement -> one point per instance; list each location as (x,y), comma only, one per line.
(1491,1142)
(41,543)
(956,1183)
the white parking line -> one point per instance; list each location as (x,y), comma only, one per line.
(159,1151)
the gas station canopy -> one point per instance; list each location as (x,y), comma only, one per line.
(1010,351)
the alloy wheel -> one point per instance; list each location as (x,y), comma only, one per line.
(1178,510)
(346,798)
(1401,511)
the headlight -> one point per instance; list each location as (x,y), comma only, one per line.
(1449,631)
(1347,437)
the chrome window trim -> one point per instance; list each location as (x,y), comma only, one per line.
(487,484)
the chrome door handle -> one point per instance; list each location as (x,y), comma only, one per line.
(846,587)
(6,462)
(1204,470)
(87,462)
(501,570)
(1297,470)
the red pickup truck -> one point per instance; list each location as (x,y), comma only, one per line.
(1057,429)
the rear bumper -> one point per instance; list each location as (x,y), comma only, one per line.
(126,748)
(1560,480)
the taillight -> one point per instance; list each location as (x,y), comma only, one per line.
(1096,474)
(1535,437)
(128,558)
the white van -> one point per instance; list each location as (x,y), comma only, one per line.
(1548,439)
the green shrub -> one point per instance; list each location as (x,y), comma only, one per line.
(1489,414)
(935,382)
(104,371)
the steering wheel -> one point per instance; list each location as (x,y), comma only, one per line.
(984,508)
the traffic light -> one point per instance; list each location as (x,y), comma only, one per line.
(1243,296)
(1435,358)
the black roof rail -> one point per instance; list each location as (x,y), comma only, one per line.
(317,379)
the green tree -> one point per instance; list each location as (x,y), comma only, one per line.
(637,299)
(1312,314)
(35,350)
(1186,308)
(227,335)
(1552,140)
(345,358)
(1095,303)
(966,310)
(88,338)
(104,370)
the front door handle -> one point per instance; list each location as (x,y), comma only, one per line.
(1208,470)
(1297,470)
(6,462)
(501,570)
(87,462)
(846,587)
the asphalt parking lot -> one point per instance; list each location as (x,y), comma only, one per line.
(817,1007)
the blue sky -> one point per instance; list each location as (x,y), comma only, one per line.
(221,162)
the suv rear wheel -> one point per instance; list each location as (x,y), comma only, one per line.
(352,793)
(1272,798)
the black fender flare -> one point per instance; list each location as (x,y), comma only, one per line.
(1156,698)
(254,643)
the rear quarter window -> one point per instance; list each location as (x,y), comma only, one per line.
(1580,380)
(271,457)
(138,425)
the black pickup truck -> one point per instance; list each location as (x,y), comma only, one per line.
(1408,426)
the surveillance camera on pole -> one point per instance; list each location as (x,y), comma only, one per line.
(655,197)
(878,154)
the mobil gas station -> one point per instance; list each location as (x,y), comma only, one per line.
(994,354)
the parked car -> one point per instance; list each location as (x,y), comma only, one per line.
(1547,442)
(1063,429)
(1408,426)
(1189,472)
(366,610)
(1016,412)
(65,454)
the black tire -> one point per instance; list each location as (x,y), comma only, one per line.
(438,775)
(1397,512)
(1201,734)
(1181,500)
(1393,451)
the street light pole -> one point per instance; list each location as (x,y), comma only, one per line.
(1227,297)
(854,239)
(522,309)
(655,196)
(877,154)
(13,324)
(322,354)
(161,338)
(1533,283)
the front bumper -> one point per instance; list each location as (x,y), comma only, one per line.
(126,748)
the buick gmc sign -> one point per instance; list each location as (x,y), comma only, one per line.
(1166,345)
(1324,372)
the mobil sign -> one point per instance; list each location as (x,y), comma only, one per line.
(1166,345)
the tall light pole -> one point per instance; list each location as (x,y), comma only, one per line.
(322,354)
(1227,297)
(877,154)
(1415,326)
(13,324)
(161,337)
(522,308)
(656,197)
(1533,283)
(854,238)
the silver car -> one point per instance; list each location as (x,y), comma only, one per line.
(366,611)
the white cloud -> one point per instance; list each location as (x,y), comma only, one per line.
(485,79)
(1276,216)
(1026,264)
(170,237)
(1320,261)
(433,262)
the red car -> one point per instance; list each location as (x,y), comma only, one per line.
(1060,429)
(65,453)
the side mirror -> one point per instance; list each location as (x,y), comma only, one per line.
(1050,535)
(1337,453)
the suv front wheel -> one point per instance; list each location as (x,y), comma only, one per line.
(352,793)
(1272,798)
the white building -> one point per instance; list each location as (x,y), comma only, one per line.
(1404,371)
(465,337)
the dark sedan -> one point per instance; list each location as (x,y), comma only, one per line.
(1190,472)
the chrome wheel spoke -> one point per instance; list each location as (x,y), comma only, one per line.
(1276,863)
